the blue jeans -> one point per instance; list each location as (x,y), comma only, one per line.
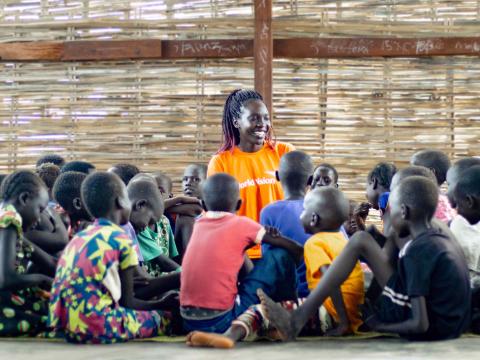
(274,273)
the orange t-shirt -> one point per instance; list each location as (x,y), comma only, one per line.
(320,250)
(255,173)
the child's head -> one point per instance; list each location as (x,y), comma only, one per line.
(414,200)
(220,192)
(192,177)
(164,183)
(49,173)
(378,182)
(147,203)
(410,171)
(125,171)
(295,171)
(80,166)
(245,116)
(66,192)
(27,193)
(325,175)
(105,196)
(324,209)
(455,172)
(51,159)
(467,195)
(435,160)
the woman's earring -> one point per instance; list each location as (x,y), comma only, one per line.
(235,123)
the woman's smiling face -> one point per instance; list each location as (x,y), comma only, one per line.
(254,123)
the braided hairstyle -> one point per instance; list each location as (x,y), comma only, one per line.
(19,182)
(384,173)
(232,111)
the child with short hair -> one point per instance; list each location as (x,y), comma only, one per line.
(466,225)
(54,159)
(439,163)
(23,303)
(417,301)
(79,166)
(49,233)
(193,176)
(92,295)
(210,296)
(324,175)
(295,175)
(378,185)
(152,228)
(125,171)
(66,191)
(454,175)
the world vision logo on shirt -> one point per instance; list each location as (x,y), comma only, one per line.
(260,181)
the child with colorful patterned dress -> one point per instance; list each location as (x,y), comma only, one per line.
(23,303)
(92,295)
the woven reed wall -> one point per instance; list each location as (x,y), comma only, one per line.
(162,115)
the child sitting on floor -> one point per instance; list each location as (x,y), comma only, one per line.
(147,208)
(213,293)
(325,209)
(439,163)
(153,231)
(466,225)
(417,301)
(66,191)
(23,305)
(49,233)
(92,295)
(193,176)
(295,175)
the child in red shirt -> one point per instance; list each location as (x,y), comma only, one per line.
(210,296)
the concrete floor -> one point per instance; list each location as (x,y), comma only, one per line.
(465,348)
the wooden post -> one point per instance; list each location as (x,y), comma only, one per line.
(263,50)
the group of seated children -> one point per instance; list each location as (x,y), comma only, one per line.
(105,257)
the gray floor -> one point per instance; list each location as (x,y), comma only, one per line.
(465,348)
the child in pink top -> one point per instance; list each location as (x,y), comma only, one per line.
(210,296)
(439,163)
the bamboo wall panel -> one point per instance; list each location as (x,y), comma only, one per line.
(162,115)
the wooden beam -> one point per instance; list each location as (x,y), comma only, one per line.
(282,48)
(376,47)
(263,50)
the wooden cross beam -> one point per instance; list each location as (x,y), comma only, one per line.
(263,48)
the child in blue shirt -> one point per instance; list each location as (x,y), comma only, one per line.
(295,175)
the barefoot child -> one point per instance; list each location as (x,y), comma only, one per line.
(23,305)
(325,209)
(210,296)
(417,301)
(439,163)
(92,295)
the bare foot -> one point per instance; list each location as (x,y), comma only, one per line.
(339,331)
(279,318)
(203,339)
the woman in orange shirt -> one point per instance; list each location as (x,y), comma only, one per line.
(250,154)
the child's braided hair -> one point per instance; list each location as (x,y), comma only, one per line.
(232,111)
(19,182)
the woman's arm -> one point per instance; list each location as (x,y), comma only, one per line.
(43,260)
(9,278)
(53,237)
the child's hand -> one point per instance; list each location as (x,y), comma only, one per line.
(182,199)
(362,210)
(273,232)
(44,282)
